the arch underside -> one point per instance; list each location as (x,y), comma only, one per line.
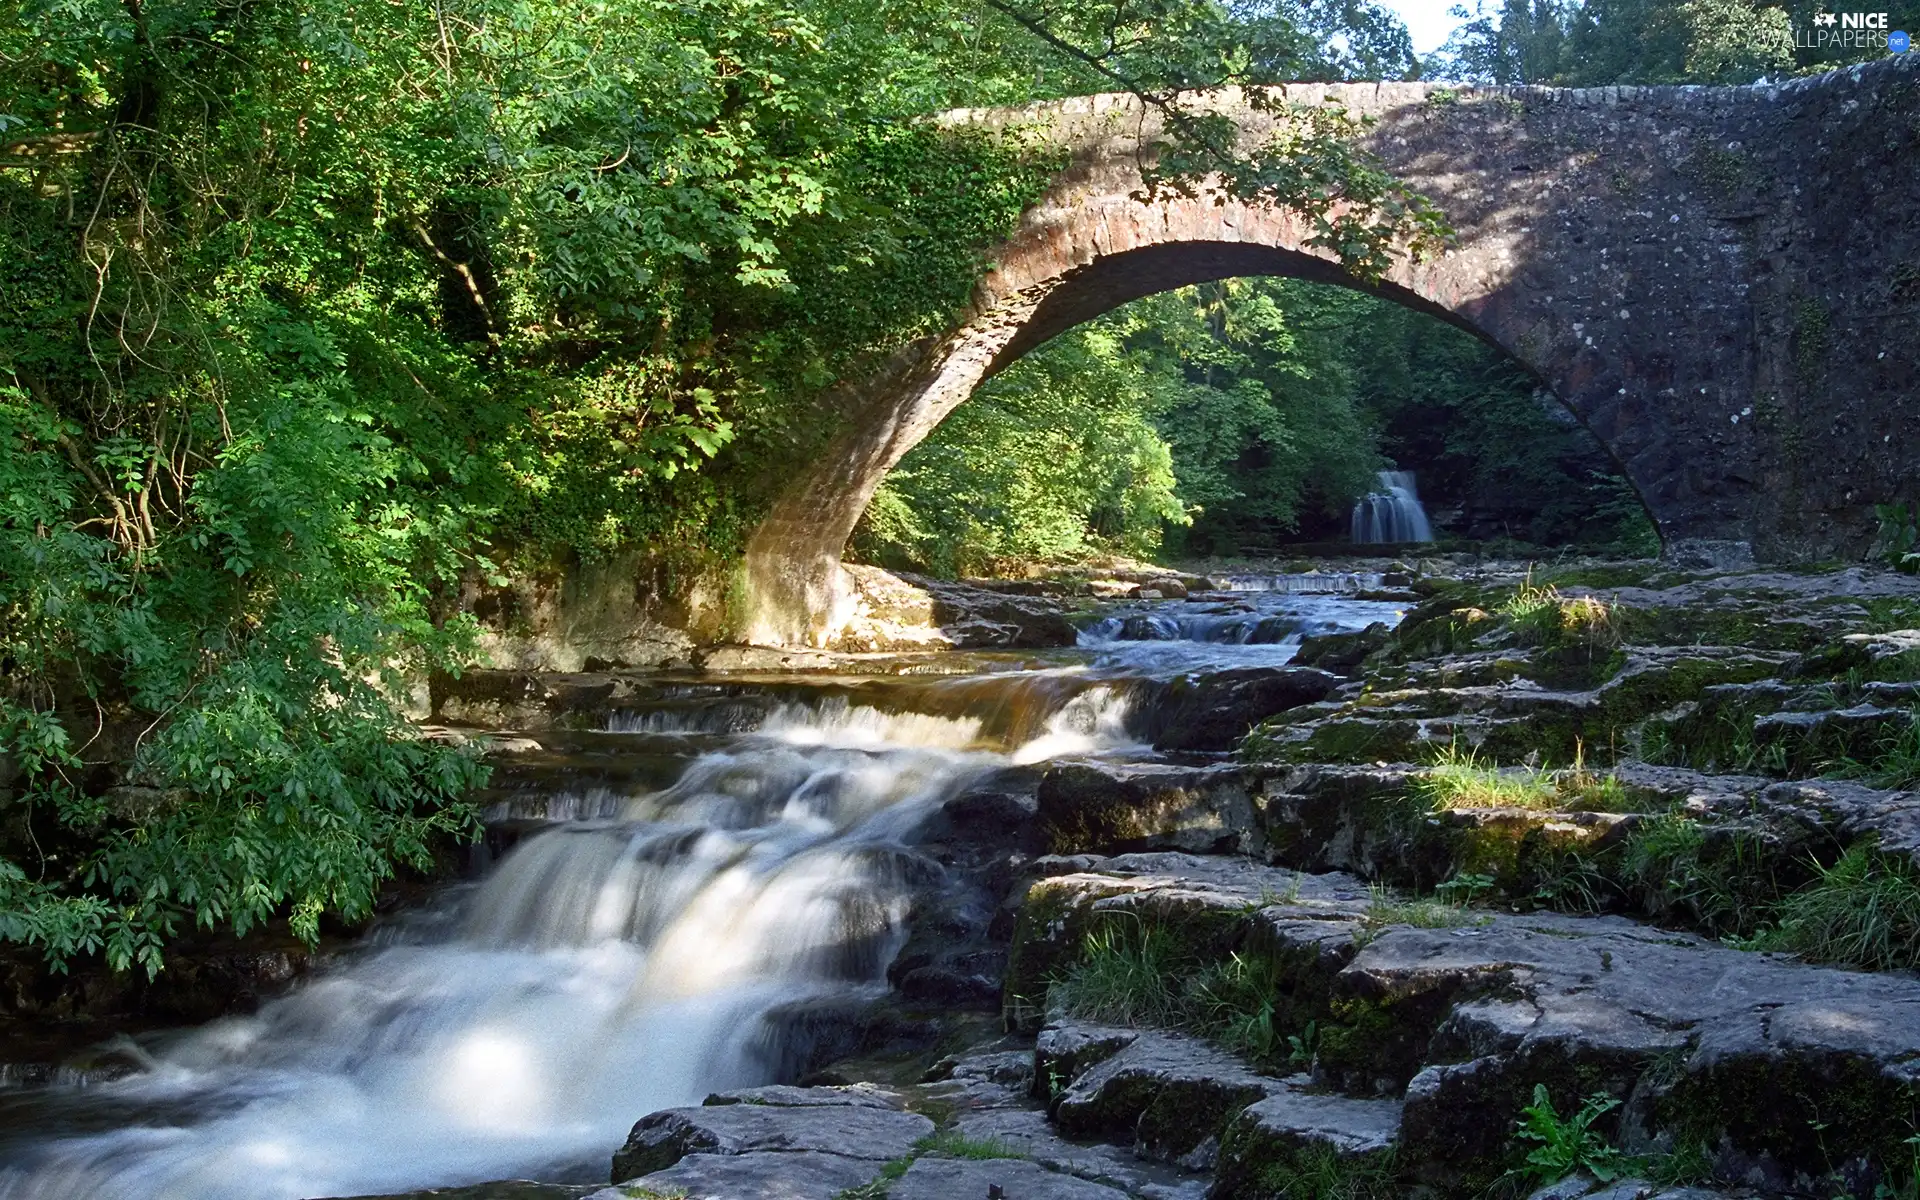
(797,591)
(1112,280)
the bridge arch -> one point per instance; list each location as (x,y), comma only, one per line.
(1650,254)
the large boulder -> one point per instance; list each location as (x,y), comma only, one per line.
(931,1178)
(1214,711)
(1783,1067)
(1098,807)
(844,1123)
(1292,1134)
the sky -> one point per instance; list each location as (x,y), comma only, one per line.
(1427,20)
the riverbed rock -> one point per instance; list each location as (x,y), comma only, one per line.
(896,611)
(1341,653)
(1295,1130)
(1462,1019)
(932,1178)
(1027,1131)
(1214,711)
(1167,1094)
(1096,807)
(767,1175)
(833,1123)
(502,1189)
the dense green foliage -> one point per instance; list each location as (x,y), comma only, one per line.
(313,316)
(1243,415)
(1586,43)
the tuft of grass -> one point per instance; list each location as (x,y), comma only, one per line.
(1458,780)
(1541,616)
(1724,890)
(1384,908)
(1895,761)
(949,1143)
(1135,974)
(1126,975)
(1862,911)
(1319,1172)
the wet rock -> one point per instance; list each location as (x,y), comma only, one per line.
(1213,712)
(777,1175)
(1168,1094)
(1028,1132)
(857,1095)
(931,1178)
(1271,631)
(1294,1130)
(1469,1016)
(503,1189)
(1341,653)
(743,659)
(1108,808)
(1163,587)
(851,1130)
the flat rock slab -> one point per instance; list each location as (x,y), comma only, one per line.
(976,1179)
(798,1175)
(1296,1130)
(501,1189)
(1028,1132)
(849,1130)
(856,1095)
(1468,1019)
(1167,1093)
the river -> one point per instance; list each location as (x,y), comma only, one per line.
(639,953)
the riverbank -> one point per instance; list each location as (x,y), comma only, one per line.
(1261,884)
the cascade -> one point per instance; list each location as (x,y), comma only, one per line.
(685,929)
(1392,514)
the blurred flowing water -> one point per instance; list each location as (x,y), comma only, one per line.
(648,947)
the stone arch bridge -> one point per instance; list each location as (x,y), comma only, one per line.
(1722,284)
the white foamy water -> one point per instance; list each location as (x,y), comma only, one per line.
(634,960)
(648,948)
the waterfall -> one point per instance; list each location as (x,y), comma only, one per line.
(1392,514)
(713,892)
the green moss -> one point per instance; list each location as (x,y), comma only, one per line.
(1811,1113)
(1364,1040)
(1726,172)
(1258,1168)
(1812,338)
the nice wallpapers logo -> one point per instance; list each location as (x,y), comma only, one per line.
(1851,31)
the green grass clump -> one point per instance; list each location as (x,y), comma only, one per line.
(1541,616)
(1894,762)
(1724,889)
(1139,975)
(1862,911)
(949,1143)
(944,1143)
(1385,908)
(1458,780)
(1126,975)
(1319,1172)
